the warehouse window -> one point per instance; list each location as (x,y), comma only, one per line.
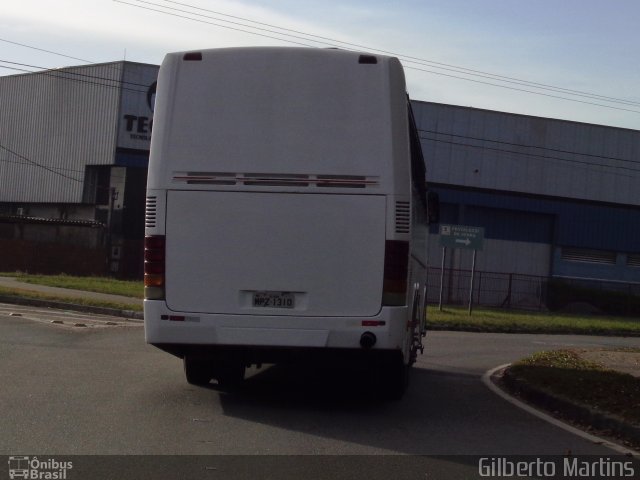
(633,260)
(588,256)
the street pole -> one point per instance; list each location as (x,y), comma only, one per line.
(473,271)
(444,252)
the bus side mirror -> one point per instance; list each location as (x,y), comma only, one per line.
(433,207)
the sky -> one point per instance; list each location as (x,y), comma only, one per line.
(576,60)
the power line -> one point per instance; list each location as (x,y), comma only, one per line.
(604,157)
(526,91)
(404,58)
(532,85)
(409,59)
(462,70)
(67,71)
(62,74)
(43,50)
(22,157)
(212,23)
(54,69)
(545,157)
(269,30)
(5,160)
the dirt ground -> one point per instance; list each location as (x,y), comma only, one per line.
(621,361)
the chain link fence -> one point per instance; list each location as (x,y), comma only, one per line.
(530,292)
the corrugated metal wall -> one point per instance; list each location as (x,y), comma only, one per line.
(507,152)
(518,222)
(540,188)
(526,218)
(499,256)
(54,123)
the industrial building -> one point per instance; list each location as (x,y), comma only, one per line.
(556,198)
(74,147)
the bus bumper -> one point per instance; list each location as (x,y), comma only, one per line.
(180,333)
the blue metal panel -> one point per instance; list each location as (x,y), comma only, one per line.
(578,224)
(619,272)
(600,227)
(132,159)
(511,225)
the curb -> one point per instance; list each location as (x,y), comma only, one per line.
(32,302)
(563,331)
(580,414)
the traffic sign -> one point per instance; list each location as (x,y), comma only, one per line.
(461,236)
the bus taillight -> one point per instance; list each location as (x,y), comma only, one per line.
(396,269)
(154,261)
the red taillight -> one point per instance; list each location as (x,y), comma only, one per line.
(373,323)
(153,256)
(396,270)
(154,268)
(154,242)
(154,261)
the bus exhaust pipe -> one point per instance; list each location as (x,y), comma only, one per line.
(367,340)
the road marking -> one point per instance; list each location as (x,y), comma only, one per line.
(566,345)
(66,319)
(486,379)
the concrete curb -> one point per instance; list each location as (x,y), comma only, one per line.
(564,331)
(32,302)
(580,414)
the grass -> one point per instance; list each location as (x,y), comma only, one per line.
(565,373)
(494,320)
(127,288)
(482,319)
(17,292)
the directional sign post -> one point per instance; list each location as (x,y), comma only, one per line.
(462,236)
(465,237)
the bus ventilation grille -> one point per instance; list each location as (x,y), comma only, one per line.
(276,180)
(403,217)
(151,211)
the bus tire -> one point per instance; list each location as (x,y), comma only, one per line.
(197,372)
(396,380)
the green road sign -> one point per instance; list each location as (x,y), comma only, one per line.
(461,236)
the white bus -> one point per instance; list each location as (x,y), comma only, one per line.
(286,213)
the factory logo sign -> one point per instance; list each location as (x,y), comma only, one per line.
(137,106)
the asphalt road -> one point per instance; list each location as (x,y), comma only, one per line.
(99,389)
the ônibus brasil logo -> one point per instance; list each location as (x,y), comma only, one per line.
(33,468)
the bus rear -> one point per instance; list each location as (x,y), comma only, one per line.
(279,211)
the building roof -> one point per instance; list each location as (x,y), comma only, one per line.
(49,221)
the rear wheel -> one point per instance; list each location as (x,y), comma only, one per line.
(395,379)
(197,372)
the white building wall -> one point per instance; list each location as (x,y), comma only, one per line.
(52,124)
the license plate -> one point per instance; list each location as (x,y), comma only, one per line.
(273,300)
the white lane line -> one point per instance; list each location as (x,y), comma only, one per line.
(565,344)
(486,379)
